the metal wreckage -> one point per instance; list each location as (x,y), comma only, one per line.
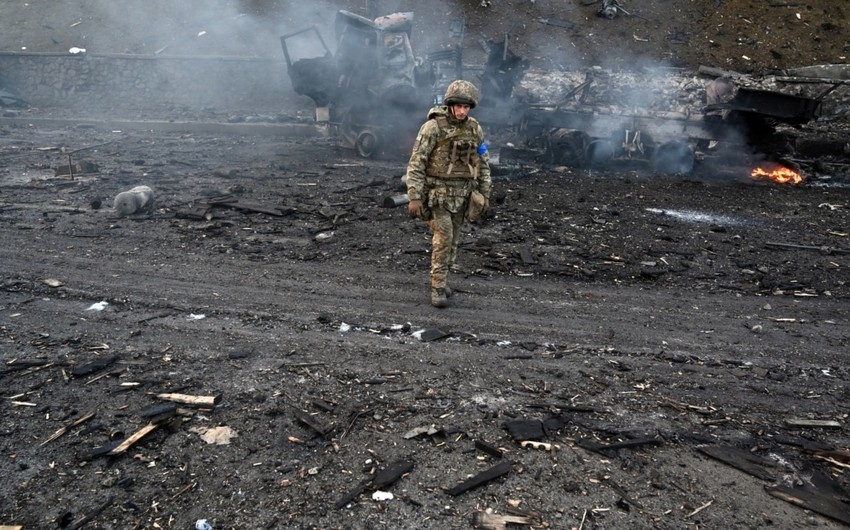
(373,94)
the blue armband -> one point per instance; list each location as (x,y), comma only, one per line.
(482,149)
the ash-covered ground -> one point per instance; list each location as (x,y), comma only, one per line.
(677,344)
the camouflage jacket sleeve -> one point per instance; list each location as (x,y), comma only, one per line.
(485,184)
(425,142)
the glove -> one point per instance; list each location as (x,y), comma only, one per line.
(414,208)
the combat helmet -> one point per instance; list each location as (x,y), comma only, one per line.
(462,92)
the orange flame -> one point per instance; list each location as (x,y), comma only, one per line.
(780,175)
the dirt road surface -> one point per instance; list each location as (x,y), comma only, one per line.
(671,315)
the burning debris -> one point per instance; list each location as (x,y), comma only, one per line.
(779,175)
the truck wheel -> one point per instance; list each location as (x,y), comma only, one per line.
(600,153)
(673,158)
(366,144)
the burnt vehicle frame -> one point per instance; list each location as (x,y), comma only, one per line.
(373,93)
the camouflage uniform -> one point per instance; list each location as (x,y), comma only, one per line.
(448,162)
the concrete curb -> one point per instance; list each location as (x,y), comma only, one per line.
(259,129)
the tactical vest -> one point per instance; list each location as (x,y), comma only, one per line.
(455,155)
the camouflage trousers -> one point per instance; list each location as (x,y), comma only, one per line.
(447,201)
(445,229)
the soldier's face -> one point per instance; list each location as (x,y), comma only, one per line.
(459,110)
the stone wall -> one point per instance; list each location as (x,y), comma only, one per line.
(136,85)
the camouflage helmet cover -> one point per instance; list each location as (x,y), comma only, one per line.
(461,91)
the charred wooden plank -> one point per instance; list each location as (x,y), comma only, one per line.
(82,521)
(351,495)
(488,448)
(79,421)
(743,460)
(500,469)
(390,474)
(94,366)
(628,444)
(128,442)
(186,399)
(525,429)
(822,495)
(308,420)
(159,413)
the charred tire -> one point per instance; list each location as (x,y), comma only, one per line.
(673,158)
(567,147)
(366,144)
(599,153)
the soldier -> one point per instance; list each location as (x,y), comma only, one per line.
(448,178)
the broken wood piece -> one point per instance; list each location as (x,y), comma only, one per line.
(159,413)
(186,399)
(624,494)
(382,479)
(79,421)
(7,527)
(94,366)
(82,521)
(525,429)
(390,474)
(132,439)
(492,521)
(308,420)
(500,469)
(802,422)
(701,508)
(353,494)
(488,448)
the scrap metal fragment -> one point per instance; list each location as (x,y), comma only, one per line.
(500,469)
(433,334)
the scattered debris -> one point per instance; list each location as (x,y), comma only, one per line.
(220,435)
(492,521)
(500,469)
(138,200)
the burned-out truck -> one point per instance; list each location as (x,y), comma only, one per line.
(372,92)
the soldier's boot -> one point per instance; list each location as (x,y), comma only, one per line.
(438,297)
